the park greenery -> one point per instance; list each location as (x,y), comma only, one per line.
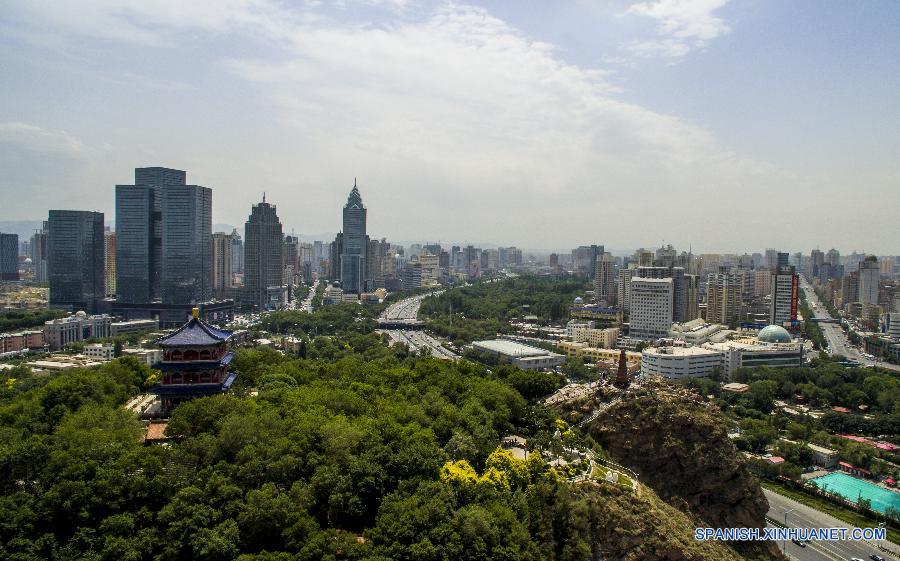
(20,319)
(484,309)
(357,451)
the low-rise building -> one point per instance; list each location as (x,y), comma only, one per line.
(21,341)
(695,332)
(823,457)
(517,354)
(99,351)
(60,333)
(57,362)
(678,362)
(146,356)
(736,387)
(117,328)
(772,347)
(605,357)
(602,338)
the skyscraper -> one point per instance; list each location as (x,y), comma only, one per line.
(723,297)
(9,257)
(222,264)
(39,253)
(651,307)
(604,280)
(869,278)
(584,259)
(186,272)
(263,239)
(139,232)
(75,263)
(353,255)
(237,253)
(109,260)
(785,286)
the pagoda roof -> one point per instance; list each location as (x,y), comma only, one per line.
(195,333)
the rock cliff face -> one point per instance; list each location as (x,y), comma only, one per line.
(679,447)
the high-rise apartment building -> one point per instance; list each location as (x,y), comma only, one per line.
(584,259)
(109,259)
(9,257)
(75,263)
(39,254)
(222,265)
(623,290)
(651,307)
(186,240)
(816,261)
(139,234)
(723,297)
(353,254)
(605,280)
(785,288)
(263,269)
(869,279)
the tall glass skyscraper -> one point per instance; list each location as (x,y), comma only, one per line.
(75,259)
(163,239)
(9,257)
(353,255)
(186,272)
(263,240)
(139,226)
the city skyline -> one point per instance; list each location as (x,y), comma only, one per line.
(450,113)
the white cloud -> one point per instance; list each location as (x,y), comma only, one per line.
(682,26)
(459,126)
(38,139)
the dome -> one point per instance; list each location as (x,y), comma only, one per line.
(773,334)
(81,314)
(579,300)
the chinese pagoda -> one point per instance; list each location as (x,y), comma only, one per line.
(622,379)
(195,363)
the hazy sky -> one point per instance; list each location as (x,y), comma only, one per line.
(725,125)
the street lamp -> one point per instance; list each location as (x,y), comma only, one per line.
(784,542)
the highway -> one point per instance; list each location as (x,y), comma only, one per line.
(802,516)
(408,310)
(838,343)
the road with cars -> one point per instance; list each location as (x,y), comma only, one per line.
(407,311)
(798,515)
(838,343)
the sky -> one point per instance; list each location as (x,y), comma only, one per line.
(715,124)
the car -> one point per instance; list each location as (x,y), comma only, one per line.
(801,543)
(874,557)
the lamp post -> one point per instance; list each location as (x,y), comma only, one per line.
(784,543)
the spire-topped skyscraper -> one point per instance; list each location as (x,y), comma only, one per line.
(263,240)
(353,254)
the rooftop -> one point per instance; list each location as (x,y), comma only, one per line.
(680,351)
(195,332)
(510,348)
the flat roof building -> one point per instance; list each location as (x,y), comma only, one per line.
(517,354)
(678,362)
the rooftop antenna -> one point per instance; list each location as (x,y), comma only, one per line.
(264,196)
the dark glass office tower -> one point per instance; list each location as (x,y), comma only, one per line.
(263,239)
(186,272)
(9,257)
(353,256)
(139,226)
(75,260)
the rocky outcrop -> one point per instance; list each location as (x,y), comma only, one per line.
(678,446)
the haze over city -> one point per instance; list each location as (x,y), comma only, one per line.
(718,125)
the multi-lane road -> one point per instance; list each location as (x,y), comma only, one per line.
(407,311)
(838,343)
(802,516)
